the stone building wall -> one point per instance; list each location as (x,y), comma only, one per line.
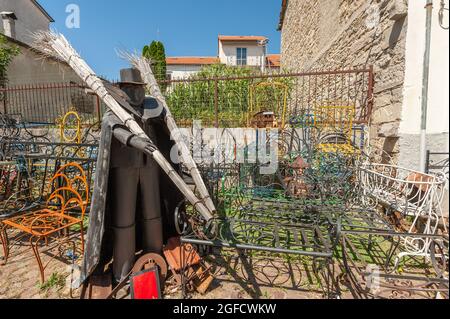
(343,34)
(30,68)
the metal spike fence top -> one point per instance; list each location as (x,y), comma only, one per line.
(52,44)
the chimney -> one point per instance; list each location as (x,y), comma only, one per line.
(9,23)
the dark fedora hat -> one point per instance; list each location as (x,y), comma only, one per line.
(131,76)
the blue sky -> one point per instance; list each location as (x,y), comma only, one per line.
(186,27)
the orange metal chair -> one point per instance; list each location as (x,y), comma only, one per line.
(71,196)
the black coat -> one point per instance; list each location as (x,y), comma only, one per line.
(98,247)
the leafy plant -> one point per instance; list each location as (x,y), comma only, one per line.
(7,54)
(77,227)
(227,89)
(56,280)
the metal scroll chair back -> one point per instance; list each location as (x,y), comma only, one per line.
(65,200)
(70,128)
(71,177)
(334,125)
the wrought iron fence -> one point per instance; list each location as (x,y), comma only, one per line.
(437,161)
(47,103)
(293,98)
(219,101)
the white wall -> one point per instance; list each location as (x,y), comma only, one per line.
(29,18)
(183,71)
(438,96)
(228,54)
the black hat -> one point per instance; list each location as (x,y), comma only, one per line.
(131,76)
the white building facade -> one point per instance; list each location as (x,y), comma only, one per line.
(20,18)
(238,51)
(184,67)
(243,51)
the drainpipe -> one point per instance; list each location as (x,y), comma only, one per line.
(426,74)
(263,44)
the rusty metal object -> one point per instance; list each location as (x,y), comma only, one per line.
(149,261)
(264,120)
(295,182)
(203,279)
(173,253)
(188,269)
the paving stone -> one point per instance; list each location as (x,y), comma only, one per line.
(279,295)
(228,285)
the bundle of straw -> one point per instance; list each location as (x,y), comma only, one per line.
(144,66)
(56,45)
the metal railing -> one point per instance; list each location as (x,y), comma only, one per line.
(227,101)
(218,101)
(47,103)
(437,161)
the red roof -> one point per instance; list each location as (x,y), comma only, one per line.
(273,60)
(192,60)
(284,5)
(241,38)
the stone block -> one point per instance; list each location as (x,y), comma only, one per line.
(389,113)
(389,129)
(382,99)
(398,10)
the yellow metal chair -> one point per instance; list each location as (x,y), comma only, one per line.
(337,122)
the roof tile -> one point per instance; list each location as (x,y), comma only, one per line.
(193,60)
(241,38)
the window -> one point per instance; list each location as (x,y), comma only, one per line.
(241,56)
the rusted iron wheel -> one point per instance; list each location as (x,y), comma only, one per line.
(151,260)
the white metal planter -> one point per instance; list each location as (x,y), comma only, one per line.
(410,193)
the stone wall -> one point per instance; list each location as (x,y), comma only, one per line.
(343,34)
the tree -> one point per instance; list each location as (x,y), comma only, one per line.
(7,54)
(157,54)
